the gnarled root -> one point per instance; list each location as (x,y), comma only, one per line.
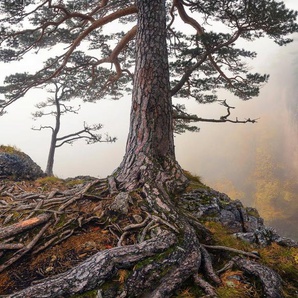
(157,267)
(97,269)
(168,272)
(271,281)
(207,287)
(208,267)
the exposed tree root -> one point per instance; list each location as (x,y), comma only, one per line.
(208,267)
(271,281)
(54,208)
(207,287)
(238,251)
(161,251)
(24,225)
(97,269)
(188,261)
(25,249)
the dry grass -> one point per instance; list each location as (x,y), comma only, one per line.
(235,285)
(10,149)
(284,260)
(57,259)
(222,236)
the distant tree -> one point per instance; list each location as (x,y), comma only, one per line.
(168,63)
(61,93)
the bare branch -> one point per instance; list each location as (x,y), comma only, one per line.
(182,115)
(187,75)
(105,20)
(43,127)
(85,134)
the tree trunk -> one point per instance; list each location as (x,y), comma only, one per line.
(55,131)
(50,162)
(150,154)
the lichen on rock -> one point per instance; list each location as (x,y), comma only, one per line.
(243,223)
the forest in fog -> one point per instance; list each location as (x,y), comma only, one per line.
(258,164)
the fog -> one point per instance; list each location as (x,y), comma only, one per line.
(256,163)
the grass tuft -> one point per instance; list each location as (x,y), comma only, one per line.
(284,260)
(222,236)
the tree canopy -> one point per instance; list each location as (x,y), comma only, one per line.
(204,57)
(195,51)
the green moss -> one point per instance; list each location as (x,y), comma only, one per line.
(62,220)
(153,259)
(89,294)
(229,291)
(163,270)
(195,181)
(9,149)
(205,200)
(74,182)
(192,177)
(49,180)
(284,260)
(47,183)
(111,288)
(253,212)
(222,236)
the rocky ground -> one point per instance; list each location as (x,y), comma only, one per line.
(70,227)
(51,227)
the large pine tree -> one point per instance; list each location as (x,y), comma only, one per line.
(167,63)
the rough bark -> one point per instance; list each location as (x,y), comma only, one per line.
(50,161)
(97,269)
(23,225)
(150,154)
(271,281)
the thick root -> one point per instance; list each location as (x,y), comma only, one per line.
(168,272)
(188,264)
(157,268)
(97,269)
(187,267)
(208,268)
(271,281)
(208,289)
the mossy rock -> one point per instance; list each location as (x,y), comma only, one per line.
(17,165)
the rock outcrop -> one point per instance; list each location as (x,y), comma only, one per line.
(243,222)
(17,165)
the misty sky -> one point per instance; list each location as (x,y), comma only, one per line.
(216,153)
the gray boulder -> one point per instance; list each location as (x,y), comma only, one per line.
(17,165)
(121,203)
(207,204)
